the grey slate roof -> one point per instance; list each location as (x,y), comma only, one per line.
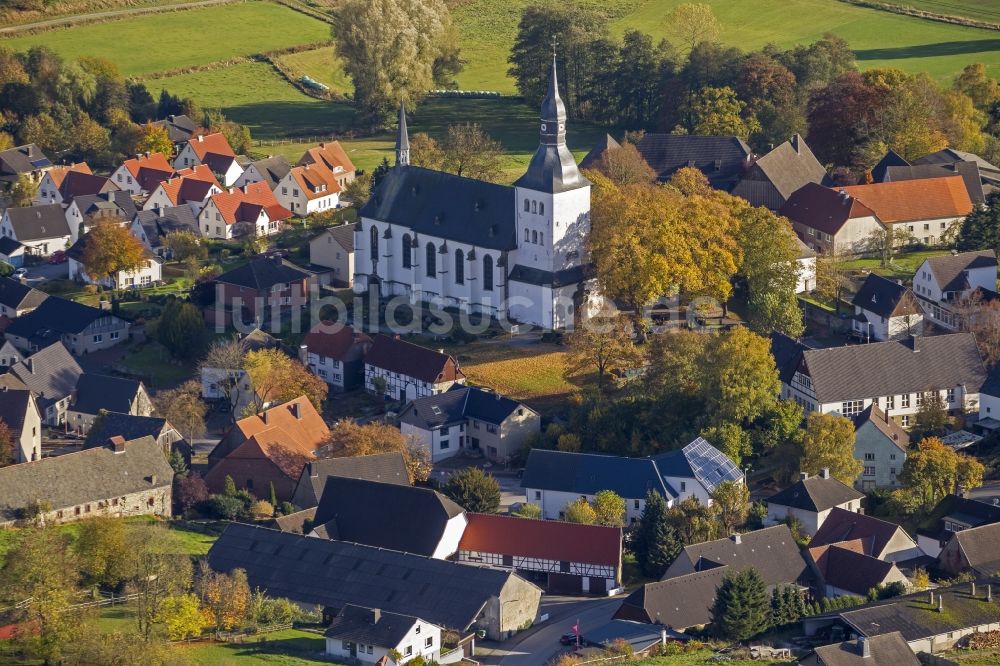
(385,515)
(969,171)
(8,245)
(273,169)
(13,408)
(440,204)
(950,156)
(85,476)
(992,385)
(57,314)
(852,571)
(890,159)
(22,160)
(721,158)
(124,425)
(51,373)
(295,522)
(949,269)
(886,650)
(895,367)
(336,573)
(262,274)
(590,473)
(116,202)
(887,426)
(344,235)
(38,222)
(787,167)
(96,392)
(677,603)
(179,128)
(457,404)
(384,468)
(786,352)
(879,295)
(815,494)
(370,627)
(16,295)
(772,551)
(843,525)
(596,154)
(159,223)
(530,275)
(981,546)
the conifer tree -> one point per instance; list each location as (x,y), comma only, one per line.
(741,607)
(656,543)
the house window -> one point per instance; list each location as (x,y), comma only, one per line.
(431,260)
(683,486)
(527,236)
(407,257)
(373,250)
(538,494)
(892,470)
(445,444)
(249,484)
(635,504)
(491,428)
(527,206)
(408,651)
(487,273)
(892,456)
(113,335)
(429,642)
(904,420)
(869,456)
(890,402)
(541,208)
(951,395)
(927,227)
(904,400)
(345,646)
(852,407)
(869,470)
(459,267)
(534,237)
(97,338)
(417,630)
(368,649)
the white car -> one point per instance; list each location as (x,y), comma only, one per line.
(20,274)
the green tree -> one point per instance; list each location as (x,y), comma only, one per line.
(656,544)
(155,139)
(474,490)
(935,470)
(181,329)
(580,511)
(694,522)
(155,572)
(609,509)
(693,23)
(393,50)
(932,416)
(181,616)
(718,111)
(7,456)
(102,550)
(22,192)
(184,245)
(980,229)
(601,345)
(741,606)
(829,443)
(469,151)
(742,380)
(731,503)
(528,510)
(359,190)
(770,249)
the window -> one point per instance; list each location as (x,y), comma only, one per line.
(407,257)
(904,400)
(927,227)
(417,630)
(249,484)
(869,471)
(890,402)
(429,641)
(950,395)
(368,649)
(904,420)
(564,567)
(374,243)
(635,504)
(345,645)
(683,486)
(408,651)
(869,456)
(431,267)
(534,206)
(527,206)
(527,236)
(97,338)
(943,225)
(534,237)
(538,494)
(114,334)
(852,407)
(487,273)
(541,208)
(459,267)
(892,470)
(892,456)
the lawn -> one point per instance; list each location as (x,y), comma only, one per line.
(902,268)
(319,64)
(161,42)
(152,361)
(981,10)
(985,657)
(703,657)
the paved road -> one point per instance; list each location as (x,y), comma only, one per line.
(986,492)
(43,272)
(99,16)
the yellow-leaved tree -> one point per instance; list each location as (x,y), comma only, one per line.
(276,378)
(110,249)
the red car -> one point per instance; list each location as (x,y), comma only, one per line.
(58,257)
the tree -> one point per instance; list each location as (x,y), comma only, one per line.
(474,490)
(392,50)
(693,23)
(885,242)
(932,416)
(224,597)
(190,490)
(741,606)
(181,329)
(359,190)
(829,443)
(111,250)
(155,139)
(276,378)
(982,319)
(787,606)
(742,382)
(731,502)
(184,409)
(831,278)
(978,86)
(102,549)
(718,111)
(625,166)
(224,362)
(980,229)
(693,521)
(935,470)
(348,438)
(655,544)
(22,192)
(184,245)
(469,151)
(7,456)
(609,509)
(580,511)
(182,616)
(528,510)
(601,346)
(155,572)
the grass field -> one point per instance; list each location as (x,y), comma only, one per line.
(160,42)
(320,64)
(981,10)
(703,657)
(902,268)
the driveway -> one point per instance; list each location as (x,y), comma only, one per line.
(42,272)
(988,492)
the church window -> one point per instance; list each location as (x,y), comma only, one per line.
(534,237)
(431,261)
(541,237)
(534,207)
(407,257)
(541,208)
(374,247)
(488,273)
(459,267)
(526,206)
(527,235)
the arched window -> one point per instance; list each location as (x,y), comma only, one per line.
(534,237)
(487,273)
(534,206)
(527,235)
(407,250)
(431,260)
(374,244)
(459,267)
(541,208)
(526,207)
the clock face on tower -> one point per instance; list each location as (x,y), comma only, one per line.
(544,127)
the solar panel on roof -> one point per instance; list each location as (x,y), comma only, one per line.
(710,466)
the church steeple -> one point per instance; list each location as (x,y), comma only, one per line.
(402,139)
(553,112)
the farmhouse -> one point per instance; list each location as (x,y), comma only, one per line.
(945,284)
(810,501)
(969,171)
(51,374)
(953,514)
(830,221)
(42,230)
(119,479)
(368,635)
(334,249)
(335,353)
(885,310)
(19,411)
(843,568)
(881,444)
(773,178)
(131,426)
(975,549)
(263,288)
(722,159)
(408,371)
(879,538)
(383,468)
(81,328)
(142,174)
(98,393)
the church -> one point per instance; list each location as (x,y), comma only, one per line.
(515,253)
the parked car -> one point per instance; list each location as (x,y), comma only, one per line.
(20,274)
(569,639)
(58,257)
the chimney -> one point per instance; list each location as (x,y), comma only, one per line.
(201,138)
(864,647)
(737,539)
(313,471)
(940,603)
(263,416)
(797,144)
(441,350)
(803,476)
(663,635)
(170,117)
(30,362)
(931,601)
(376,615)
(152,479)
(296,411)
(824,473)
(160,210)
(117,443)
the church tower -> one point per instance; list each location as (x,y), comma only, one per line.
(402,139)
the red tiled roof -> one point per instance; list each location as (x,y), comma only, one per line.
(822,208)
(278,446)
(332,154)
(243,204)
(182,190)
(412,360)
(316,180)
(909,200)
(57,173)
(335,341)
(155,161)
(305,432)
(214,143)
(201,172)
(547,539)
(80,183)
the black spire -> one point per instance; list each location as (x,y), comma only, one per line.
(553,112)
(402,139)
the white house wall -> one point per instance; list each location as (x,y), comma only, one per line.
(453,530)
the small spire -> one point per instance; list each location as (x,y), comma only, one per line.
(402,139)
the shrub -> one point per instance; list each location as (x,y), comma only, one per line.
(261,509)
(227,507)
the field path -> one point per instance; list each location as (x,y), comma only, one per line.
(99,16)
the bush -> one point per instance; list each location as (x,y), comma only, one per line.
(5,269)
(261,509)
(90,289)
(227,507)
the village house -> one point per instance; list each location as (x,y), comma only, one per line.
(120,479)
(974,549)
(180,128)
(269,170)
(723,159)
(133,426)
(773,178)
(467,419)
(90,209)
(51,375)
(553,479)
(893,168)
(335,574)
(382,467)
(880,539)
(830,221)
(561,557)
(335,353)
(312,188)
(220,383)
(844,569)
(369,635)
(334,249)
(805,264)
(884,650)
(989,173)
(98,393)
(926,209)
(19,412)
(263,288)
(27,160)
(268,449)
(18,299)
(81,328)
(149,274)
(42,230)
(989,402)
(880,444)
(143,173)
(191,187)
(945,284)
(11,252)
(152,227)
(61,184)
(333,156)
(953,514)
(896,375)
(885,310)
(400,370)
(810,501)
(213,151)
(389,515)
(931,621)
(251,210)
(9,355)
